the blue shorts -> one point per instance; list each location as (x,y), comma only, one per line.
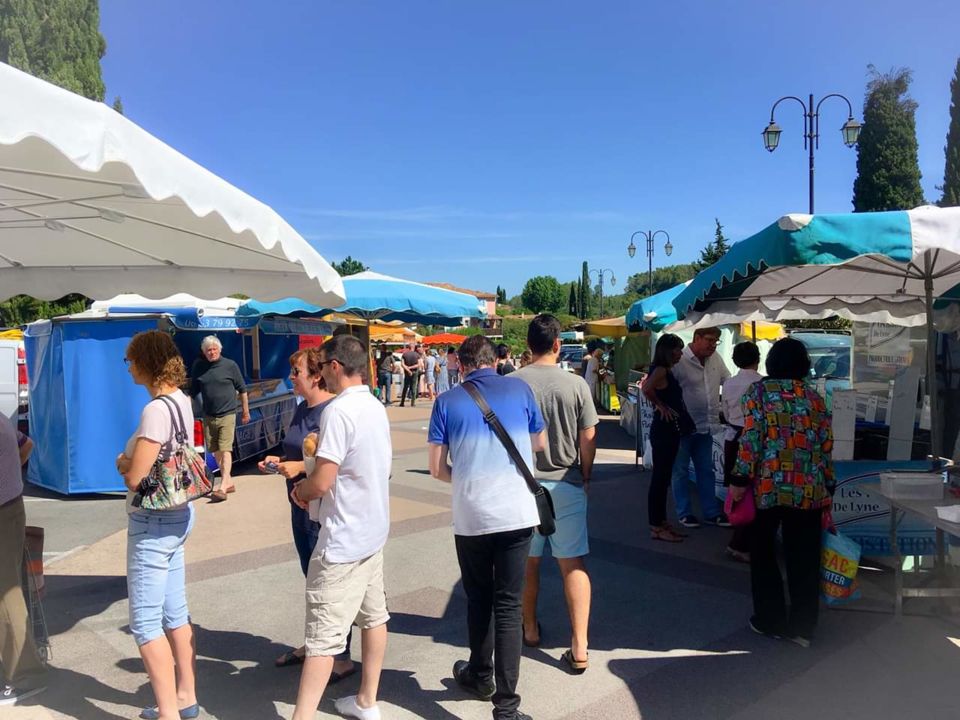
(570,539)
(155,572)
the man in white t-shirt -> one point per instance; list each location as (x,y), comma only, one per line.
(345,577)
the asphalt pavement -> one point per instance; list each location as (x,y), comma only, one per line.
(668,639)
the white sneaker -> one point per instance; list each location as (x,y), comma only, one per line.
(347,706)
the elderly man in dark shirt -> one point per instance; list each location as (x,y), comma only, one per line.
(219,381)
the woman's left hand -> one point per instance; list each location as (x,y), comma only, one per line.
(291,468)
(737,493)
(123,463)
(296,498)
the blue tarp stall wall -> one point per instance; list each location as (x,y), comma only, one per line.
(83,403)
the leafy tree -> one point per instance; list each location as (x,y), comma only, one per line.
(56,40)
(951,172)
(888,172)
(585,291)
(118,104)
(501,294)
(348,266)
(572,304)
(663,278)
(715,249)
(543,294)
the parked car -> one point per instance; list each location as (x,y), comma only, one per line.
(571,357)
(14,390)
(831,356)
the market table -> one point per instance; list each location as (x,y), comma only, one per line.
(926,511)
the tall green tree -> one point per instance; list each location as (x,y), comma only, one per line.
(543,294)
(664,278)
(715,249)
(573,306)
(57,40)
(348,266)
(951,171)
(888,172)
(585,291)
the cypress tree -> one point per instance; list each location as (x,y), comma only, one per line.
(888,172)
(951,171)
(56,40)
(572,305)
(585,292)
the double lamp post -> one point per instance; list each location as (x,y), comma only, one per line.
(650,235)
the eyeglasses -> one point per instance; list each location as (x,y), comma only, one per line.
(127,361)
(295,372)
(327,362)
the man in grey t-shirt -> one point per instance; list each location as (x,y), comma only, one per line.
(564,468)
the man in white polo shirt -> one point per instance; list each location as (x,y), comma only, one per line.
(345,577)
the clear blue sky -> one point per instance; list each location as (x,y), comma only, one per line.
(482,143)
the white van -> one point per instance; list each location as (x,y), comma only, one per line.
(14,392)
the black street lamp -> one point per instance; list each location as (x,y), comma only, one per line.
(811,129)
(613,281)
(649,235)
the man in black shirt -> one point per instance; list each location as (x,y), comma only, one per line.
(219,381)
(411,374)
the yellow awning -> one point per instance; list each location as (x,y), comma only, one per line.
(610,327)
(765,330)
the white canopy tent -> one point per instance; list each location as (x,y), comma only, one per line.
(93,204)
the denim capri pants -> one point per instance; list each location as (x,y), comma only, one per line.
(155,571)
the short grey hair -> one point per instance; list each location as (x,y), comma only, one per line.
(209,341)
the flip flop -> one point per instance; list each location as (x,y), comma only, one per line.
(288,659)
(218,496)
(578,667)
(534,643)
(233,489)
(336,677)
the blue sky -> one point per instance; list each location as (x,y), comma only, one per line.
(483,143)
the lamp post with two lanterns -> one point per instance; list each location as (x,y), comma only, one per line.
(600,274)
(650,235)
(811,129)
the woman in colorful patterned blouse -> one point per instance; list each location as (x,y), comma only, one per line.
(785,454)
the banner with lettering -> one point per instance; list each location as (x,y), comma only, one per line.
(865,518)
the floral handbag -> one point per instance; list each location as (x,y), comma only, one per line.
(180,478)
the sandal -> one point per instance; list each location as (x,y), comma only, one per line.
(534,643)
(665,534)
(288,659)
(578,667)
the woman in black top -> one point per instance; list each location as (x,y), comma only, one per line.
(670,422)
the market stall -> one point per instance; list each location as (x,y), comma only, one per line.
(884,271)
(83,401)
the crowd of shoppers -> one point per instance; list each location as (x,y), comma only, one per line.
(336,463)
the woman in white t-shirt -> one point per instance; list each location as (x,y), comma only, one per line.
(159,618)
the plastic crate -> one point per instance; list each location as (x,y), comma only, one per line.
(912,486)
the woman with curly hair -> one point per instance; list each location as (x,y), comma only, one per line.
(159,619)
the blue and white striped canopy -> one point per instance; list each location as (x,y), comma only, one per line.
(655,312)
(373,296)
(875,267)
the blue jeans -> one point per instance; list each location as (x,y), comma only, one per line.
(155,571)
(384,382)
(699,448)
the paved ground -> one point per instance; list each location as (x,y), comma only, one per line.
(668,634)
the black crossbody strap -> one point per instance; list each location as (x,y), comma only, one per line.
(494,422)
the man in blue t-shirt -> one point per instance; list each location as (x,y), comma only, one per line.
(494,514)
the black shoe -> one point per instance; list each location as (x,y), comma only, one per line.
(10,695)
(721,520)
(519,716)
(760,630)
(468,682)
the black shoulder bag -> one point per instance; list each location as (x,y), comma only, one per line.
(545,510)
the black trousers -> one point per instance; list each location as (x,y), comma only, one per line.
(801,550)
(665,441)
(411,383)
(492,567)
